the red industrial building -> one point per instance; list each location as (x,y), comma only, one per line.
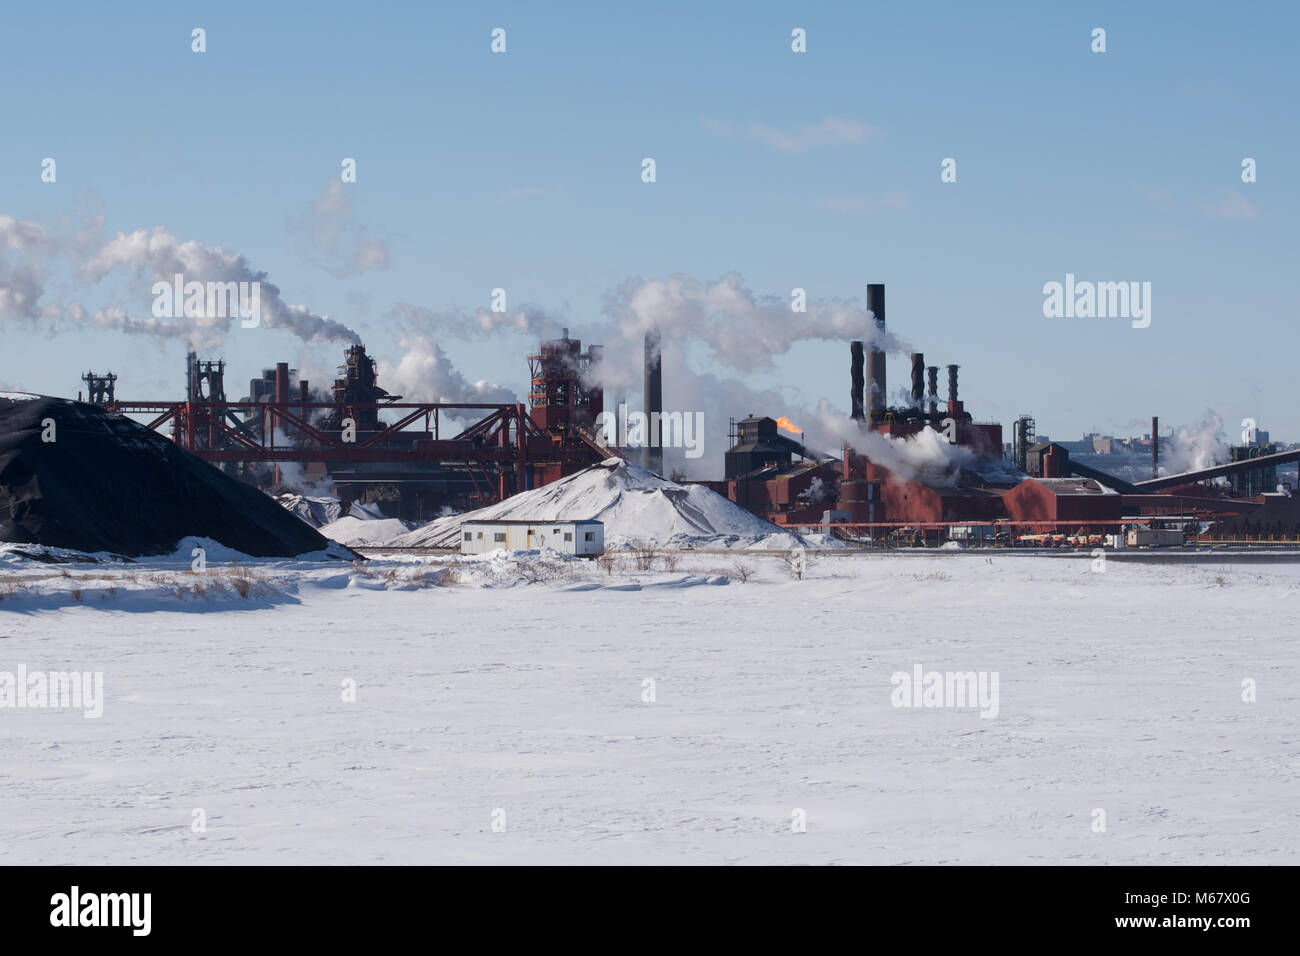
(781,480)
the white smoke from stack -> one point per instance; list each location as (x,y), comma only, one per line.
(157,256)
(528,320)
(424,373)
(719,324)
(926,457)
(718,400)
(1194,448)
(736,327)
(22,283)
(293,474)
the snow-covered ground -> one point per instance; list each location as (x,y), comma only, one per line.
(511,689)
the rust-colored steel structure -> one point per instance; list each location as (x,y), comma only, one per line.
(499,451)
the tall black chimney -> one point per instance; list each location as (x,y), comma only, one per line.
(653,453)
(876,384)
(918,380)
(856,380)
(1155,446)
(952,383)
(933,374)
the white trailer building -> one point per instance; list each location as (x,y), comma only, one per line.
(583,538)
(1157,538)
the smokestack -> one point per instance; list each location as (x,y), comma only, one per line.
(653,454)
(1155,446)
(876,384)
(856,377)
(303,391)
(933,374)
(952,383)
(918,380)
(282,381)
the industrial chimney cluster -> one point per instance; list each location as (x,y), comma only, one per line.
(868,396)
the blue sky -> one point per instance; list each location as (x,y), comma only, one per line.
(818,170)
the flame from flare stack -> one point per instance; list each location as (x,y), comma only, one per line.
(787,425)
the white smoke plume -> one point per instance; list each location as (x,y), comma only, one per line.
(156,255)
(926,457)
(739,328)
(1194,448)
(424,373)
(22,281)
(471,324)
(718,400)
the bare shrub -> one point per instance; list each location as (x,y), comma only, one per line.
(742,571)
(670,560)
(543,571)
(608,562)
(933,576)
(76,594)
(241,579)
(643,555)
(797,564)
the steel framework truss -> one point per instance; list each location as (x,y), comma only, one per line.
(498,449)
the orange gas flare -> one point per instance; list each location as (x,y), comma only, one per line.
(787,425)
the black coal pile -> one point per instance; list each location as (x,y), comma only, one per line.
(107,483)
(1280,517)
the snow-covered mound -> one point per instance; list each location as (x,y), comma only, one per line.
(315,511)
(363,523)
(354,530)
(635,506)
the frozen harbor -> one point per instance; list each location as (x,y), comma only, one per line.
(541,710)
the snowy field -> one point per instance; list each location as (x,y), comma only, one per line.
(511,690)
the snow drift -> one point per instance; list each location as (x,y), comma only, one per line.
(635,506)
